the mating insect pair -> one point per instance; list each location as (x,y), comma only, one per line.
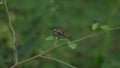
(58,32)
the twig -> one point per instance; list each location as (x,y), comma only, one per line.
(13,33)
(57,60)
(60,45)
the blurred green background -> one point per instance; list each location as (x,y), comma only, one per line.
(34,20)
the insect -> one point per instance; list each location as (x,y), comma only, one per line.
(61,33)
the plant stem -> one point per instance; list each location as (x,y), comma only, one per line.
(57,60)
(12,32)
(60,45)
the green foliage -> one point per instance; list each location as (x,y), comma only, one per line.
(1,2)
(34,20)
(50,38)
(69,43)
(72,45)
(105,27)
(95,26)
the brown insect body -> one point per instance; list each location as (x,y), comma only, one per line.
(58,32)
(61,33)
(67,36)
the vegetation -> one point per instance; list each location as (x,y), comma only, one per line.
(60,34)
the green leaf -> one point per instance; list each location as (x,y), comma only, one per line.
(50,38)
(72,45)
(105,27)
(95,26)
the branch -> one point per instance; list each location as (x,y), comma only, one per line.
(12,32)
(57,60)
(60,45)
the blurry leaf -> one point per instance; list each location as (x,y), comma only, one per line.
(72,45)
(1,2)
(105,27)
(95,26)
(50,38)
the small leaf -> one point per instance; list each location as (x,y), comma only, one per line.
(50,38)
(105,27)
(95,26)
(72,45)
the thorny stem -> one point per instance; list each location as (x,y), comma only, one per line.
(13,33)
(60,45)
